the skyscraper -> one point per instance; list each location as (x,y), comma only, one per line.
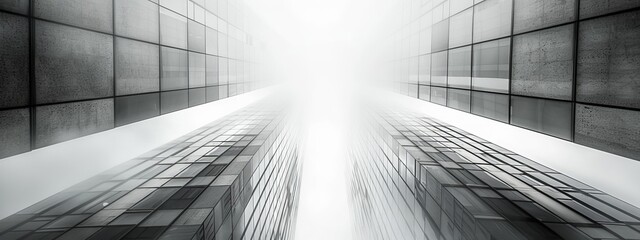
(319,119)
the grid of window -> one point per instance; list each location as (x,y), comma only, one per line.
(235,178)
(414,177)
(72,68)
(565,68)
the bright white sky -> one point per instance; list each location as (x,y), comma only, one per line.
(321,45)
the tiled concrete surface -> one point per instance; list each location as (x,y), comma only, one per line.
(134,108)
(14,60)
(61,122)
(137,19)
(608,129)
(536,14)
(15,130)
(72,64)
(92,14)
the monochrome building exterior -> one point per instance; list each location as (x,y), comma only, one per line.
(74,68)
(236,178)
(565,68)
(414,177)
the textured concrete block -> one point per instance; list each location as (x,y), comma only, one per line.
(212,75)
(175,69)
(491,66)
(14,61)
(197,96)
(91,14)
(212,94)
(460,29)
(137,19)
(196,37)
(491,19)
(136,108)
(72,64)
(439,95)
(439,69)
(535,14)
(17,6)
(609,129)
(440,36)
(609,60)
(546,116)
(459,99)
(197,69)
(543,63)
(490,105)
(137,67)
(173,29)
(459,70)
(212,41)
(14,129)
(173,101)
(590,8)
(62,122)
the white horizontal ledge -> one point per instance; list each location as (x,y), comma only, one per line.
(33,176)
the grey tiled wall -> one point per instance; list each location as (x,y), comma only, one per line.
(566,68)
(70,68)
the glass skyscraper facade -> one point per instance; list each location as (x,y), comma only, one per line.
(414,177)
(237,177)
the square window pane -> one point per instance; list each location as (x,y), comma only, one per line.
(490,105)
(425,69)
(212,74)
(173,101)
(491,66)
(439,69)
(414,69)
(609,60)
(491,19)
(424,92)
(459,99)
(542,115)
(196,36)
(223,68)
(196,70)
(137,67)
(460,29)
(459,70)
(439,95)
(196,96)
(543,63)
(440,36)
(174,69)
(135,108)
(212,41)
(173,29)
